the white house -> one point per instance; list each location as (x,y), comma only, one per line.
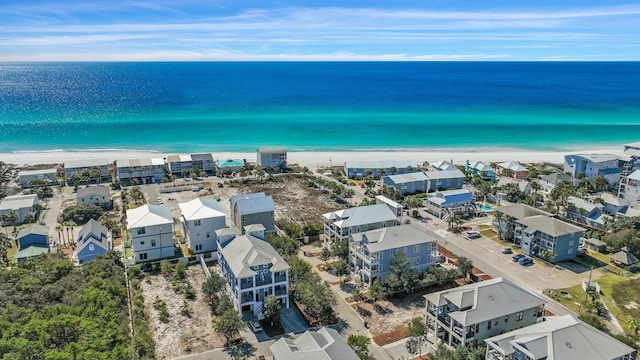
(151,232)
(272,157)
(201,218)
(146,171)
(94,195)
(630,187)
(42,176)
(79,166)
(592,165)
(20,204)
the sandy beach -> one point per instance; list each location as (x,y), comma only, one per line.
(318,159)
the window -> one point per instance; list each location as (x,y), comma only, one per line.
(380,254)
(153,243)
(404,250)
(489,325)
(495,322)
(142,256)
(140,231)
(242,218)
(416,248)
(208,234)
(570,251)
(506,318)
(198,247)
(571,243)
(519,316)
(142,242)
(90,247)
(196,223)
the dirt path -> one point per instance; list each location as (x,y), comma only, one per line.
(181,335)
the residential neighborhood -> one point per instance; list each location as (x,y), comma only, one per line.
(266,260)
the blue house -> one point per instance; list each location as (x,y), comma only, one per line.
(592,165)
(93,240)
(371,252)
(411,183)
(444,180)
(450,201)
(32,241)
(548,238)
(360,169)
(483,170)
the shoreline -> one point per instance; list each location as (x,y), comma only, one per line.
(315,159)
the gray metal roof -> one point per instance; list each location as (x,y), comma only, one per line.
(512,165)
(560,338)
(548,225)
(410,177)
(86,163)
(596,158)
(394,237)
(480,166)
(93,190)
(555,178)
(38,172)
(15,202)
(34,229)
(255,205)
(92,230)
(380,164)
(248,251)
(625,257)
(361,215)
(444,174)
(521,211)
(235,198)
(273,150)
(584,204)
(323,344)
(200,208)
(488,300)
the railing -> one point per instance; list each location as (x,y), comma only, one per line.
(280,292)
(246,298)
(280,278)
(245,285)
(263,282)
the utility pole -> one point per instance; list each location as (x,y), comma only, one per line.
(588,287)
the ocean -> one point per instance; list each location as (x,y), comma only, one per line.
(318,106)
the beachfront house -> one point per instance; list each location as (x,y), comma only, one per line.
(338,225)
(592,165)
(371,252)
(443,165)
(513,169)
(200,219)
(142,171)
(203,162)
(184,164)
(87,166)
(441,180)
(322,344)
(255,208)
(30,178)
(508,185)
(444,203)
(21,206)
(151,232)
(549,181)
(94,195)
(229,166)
(586,212)
(377,169)
(471,313)
(505,217)
(93,240)
(557,338)
(272,157)
(410,183)
(481,169)
(630,187)
(632,152)
(548,238)
(253,269)
(33,240)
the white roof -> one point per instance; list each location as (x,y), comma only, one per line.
(37,172)
(560,338)
(361,215)
(323,344)
(148,215)
(613,200)
(394,237)
(634,175)
(480,166)
(15,202)
(139,162)
(380,164)
(443,165)
(273,150)
(201,209)
(597,158)
(246,251)
(445,174)
(519,183)
(86,163)
(512,165)
(93,190)
(409,177)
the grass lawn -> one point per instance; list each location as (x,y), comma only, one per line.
(605,258)
(616,290)
(11,253)
(128,253)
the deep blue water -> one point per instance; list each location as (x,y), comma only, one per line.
(185,107)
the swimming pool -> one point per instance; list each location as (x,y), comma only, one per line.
(487,207)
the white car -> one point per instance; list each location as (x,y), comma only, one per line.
(255,326)
(473,234)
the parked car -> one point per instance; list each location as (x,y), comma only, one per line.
(473,234)
(517,257)
(525,261)
(255,326)
(506,250)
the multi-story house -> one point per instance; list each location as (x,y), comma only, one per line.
(322,344)
(94,195)
(21,205)
(443,165)
(372,252)
(504,220)
(471,313)
(93,240)
(33,240)
(592,165)
(79,166)
(29,178)
(548,238)
(272,157)
(557,338)
(481,169)
(549,181)
(146,171)
(201,218)
(447,202)
(253,269)
(255,208)
(630,187)
(507,185)
(376,169)
(514,170)
(411,183)
(203,162)
(441,180)
(338,225)
(586,212)
(151,232)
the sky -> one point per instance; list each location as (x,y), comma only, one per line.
(327,30)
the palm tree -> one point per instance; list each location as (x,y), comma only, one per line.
(3,220)
(465,265)
(12,217)
(74,179)
(96,174)
(499,216)
(59,228)
(600,182)
(393,170)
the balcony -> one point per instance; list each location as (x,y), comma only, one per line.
(281,291)
(265,281)
(280,278)
(246,298)
(246,285)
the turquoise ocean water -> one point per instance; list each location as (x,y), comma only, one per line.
(306,106)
